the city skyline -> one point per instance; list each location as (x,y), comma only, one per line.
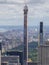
(12,14)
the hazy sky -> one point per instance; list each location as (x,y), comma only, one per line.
(12,14)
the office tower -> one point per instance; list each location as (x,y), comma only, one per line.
(41,33)
(10,60)
(0,50)
(43,49)
(25,36)
(43,54)
(16,53)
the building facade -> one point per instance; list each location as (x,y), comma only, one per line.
(43,55)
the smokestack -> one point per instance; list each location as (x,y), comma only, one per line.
(41,33)
(25,36)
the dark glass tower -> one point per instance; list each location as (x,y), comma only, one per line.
(41,33)
(25,36)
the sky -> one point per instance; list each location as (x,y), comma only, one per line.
(11,12)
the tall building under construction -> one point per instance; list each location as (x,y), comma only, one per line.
(25,36)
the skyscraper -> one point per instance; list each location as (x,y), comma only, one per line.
(40,47)
(0,50)
(41,33)
(25,36)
